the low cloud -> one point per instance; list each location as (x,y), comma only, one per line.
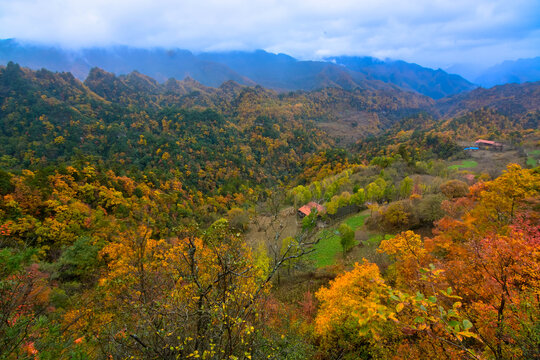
(430,32)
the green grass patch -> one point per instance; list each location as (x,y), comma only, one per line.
(531,162)
(535,152)
(465,164)
(376,239)
(356,221)
(329,246)
(326,250)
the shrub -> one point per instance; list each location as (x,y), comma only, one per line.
(454,189)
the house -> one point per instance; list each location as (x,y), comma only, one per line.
(309,207)
(469,178)
(488,144)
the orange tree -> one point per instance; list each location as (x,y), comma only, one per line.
(491,257)
(471,291)
(24,296)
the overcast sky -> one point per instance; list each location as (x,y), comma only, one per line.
(429,32)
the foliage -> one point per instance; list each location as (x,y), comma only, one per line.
(113,242)
(407,214)
(405,188)
(353,310)
(180,297)
(225,147)
(346,240)
(468,292)
(79,261)
(238,219)
(454,189)
(24,296)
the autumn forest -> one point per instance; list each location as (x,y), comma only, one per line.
(172,220)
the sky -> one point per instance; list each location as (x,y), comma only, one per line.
(432,33)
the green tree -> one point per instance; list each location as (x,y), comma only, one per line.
(405,188)
(346,238)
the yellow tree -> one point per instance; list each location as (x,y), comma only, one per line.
(195,295)
(353,311)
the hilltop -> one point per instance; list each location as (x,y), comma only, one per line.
(279,72)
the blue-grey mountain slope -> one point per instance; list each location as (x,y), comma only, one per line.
(278,72)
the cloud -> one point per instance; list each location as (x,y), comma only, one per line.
(430,32)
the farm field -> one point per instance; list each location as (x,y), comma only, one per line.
(329,247)
(466,164)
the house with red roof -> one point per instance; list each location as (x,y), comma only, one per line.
(309,207)
(488,144)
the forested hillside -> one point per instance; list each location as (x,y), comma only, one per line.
(147,220)
(137,123)
(134,125)
(509,100)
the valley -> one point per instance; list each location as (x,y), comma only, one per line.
(269,180)
(169,219)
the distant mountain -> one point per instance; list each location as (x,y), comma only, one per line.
(519,71)
(160,64)
(510,100)
(278,72)
(346,114)
(135,125)
(282,72)
(468,71)
(433,83)
(503,113)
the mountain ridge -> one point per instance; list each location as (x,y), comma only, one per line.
(346,115)
(508,100)
(517,71)
(433,83)
(275,71)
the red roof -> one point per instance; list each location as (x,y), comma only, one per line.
(487,142)
(306,209)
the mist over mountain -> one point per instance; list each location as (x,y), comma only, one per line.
(518,71)
(510,71)
(278,72)
(467,70)
(274,71)
(510,100)
(159,64)
(433,83)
